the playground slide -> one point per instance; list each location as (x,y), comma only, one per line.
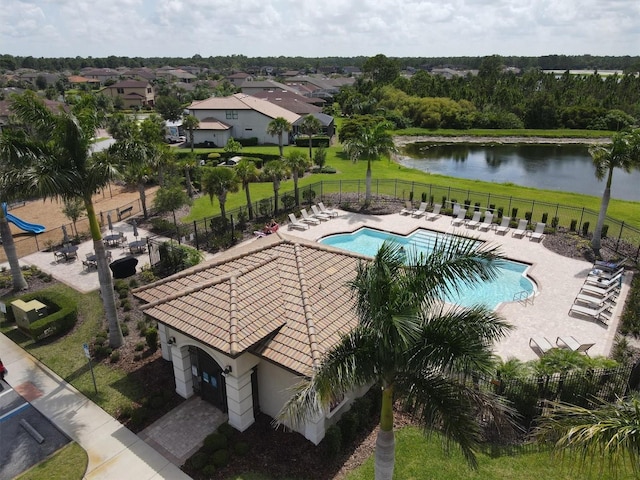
(21,224)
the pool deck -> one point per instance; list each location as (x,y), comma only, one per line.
(558,280)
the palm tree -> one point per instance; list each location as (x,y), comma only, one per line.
(276,171)
(296,162)
(310,126)
(624,153)
(134,158)
(191,123)
(278,126)
(58,163)
(610,432)
(370,143)
(414,347)
(247,172)
(219,181)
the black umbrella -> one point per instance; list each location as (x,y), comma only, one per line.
(65,236)
(135,228)
(109,221)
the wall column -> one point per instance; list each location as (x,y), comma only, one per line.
(182,370)
(240,401)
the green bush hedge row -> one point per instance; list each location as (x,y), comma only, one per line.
(63,313)
(316,141)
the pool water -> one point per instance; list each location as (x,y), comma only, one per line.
(509,283)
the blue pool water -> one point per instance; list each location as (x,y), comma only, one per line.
(510,280)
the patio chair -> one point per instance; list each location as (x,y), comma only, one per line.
(460,218)
(596,272)
(594,301)
(420,211)
(541,344)
(504,225)
(328,211)
(294,223)
(408,208)
(433,215)
(308,218)
(572,344)
(475,220)
(609,266)
(521,229)
(59,256)
(595,313)
(486,223)
(604,282)
(538,233)
(318,214)
(599,291)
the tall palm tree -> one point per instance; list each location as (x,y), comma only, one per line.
(218,182)
(277,127)
(370,143)
(247,172)
(58,163)
(624,153)
(190,123)
(609,433)
(276,171)
(310,126)
(413,347)
(134,158)
(296,162)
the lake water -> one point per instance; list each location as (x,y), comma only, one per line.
(554,167)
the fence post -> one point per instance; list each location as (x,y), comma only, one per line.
(619,236)
(556,215)
(509,209)
(195,236)
(581,216)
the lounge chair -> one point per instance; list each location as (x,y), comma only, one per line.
(308,218)
(475,220)
(328,211)
(318,214)
(541,344)
(599,291)
(604,282)
(456,209)
(596,272)
(420,211)
(408,208)
(538,233)
(594,301)
(431,216)
(609,266)
(504,225)
(460,218)
(572,344)
(486,223)
(521,229)
(595,313)
(294,223)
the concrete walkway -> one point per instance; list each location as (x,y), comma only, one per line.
(114,451)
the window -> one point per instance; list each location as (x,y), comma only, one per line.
(149,90)
(121,91)
(231,114)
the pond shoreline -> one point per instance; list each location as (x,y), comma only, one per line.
(401,141)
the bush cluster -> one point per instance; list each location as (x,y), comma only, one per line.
(217,450)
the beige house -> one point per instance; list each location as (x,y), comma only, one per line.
(134,93)
(242,329)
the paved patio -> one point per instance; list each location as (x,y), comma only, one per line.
(558,280)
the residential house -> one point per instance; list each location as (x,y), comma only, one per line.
(242,329)
(251,87)
(327,122)
(291,101)
(76,80)
(101,74)
(134,93)
(237,116)
(239,78)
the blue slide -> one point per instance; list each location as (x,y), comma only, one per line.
(21,224)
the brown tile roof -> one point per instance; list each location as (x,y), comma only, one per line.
(242,101)
(279,297)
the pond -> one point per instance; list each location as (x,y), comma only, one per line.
(567,168)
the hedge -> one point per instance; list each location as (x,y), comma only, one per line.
(63,314)
(316,141)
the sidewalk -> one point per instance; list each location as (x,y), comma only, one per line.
(114,451)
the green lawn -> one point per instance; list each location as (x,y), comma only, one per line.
(623,210)
(68,463)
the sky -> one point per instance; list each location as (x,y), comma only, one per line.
(342,28)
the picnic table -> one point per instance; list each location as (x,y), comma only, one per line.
(67,252)
(137,246)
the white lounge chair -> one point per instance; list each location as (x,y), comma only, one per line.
(597,272)
(599,291)
(538,233)
(594,301)
(329,211)
(486,223)
(475,220)
(318,214)
(431,216)
(541,344)
(604,282)
(572,344)
(521,229)
(460,219)
(504,225)
(456,209)
(308,218)
(595,313)
(408,208)
(420,211)
(294,223)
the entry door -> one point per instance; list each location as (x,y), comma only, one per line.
(212,386)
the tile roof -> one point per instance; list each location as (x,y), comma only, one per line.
(242,101)
(282,298)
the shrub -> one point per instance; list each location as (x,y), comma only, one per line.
(140,415)
(288,201)
(605,231)
(248,142)
(157,402)
(316,141)
(226,430)
(209,470)
(545,216)
(349,427)
(573,225)
(115,356)
(308,195)
(500,212)
(151,335)
(554,222)
(221,458)
(126,305)
(423,197)
(528,216)
(241,448)
(147,276)
(139,347)
(199,460)
(214,442)
(514,212)
(133,283)
(585,228)
(328,169)
(332,441)
(125,329)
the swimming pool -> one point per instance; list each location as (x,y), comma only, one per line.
(509,282)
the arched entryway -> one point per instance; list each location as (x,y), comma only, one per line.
(208,378)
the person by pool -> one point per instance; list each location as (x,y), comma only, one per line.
(269,228)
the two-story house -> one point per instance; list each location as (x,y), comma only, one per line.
(134,93)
